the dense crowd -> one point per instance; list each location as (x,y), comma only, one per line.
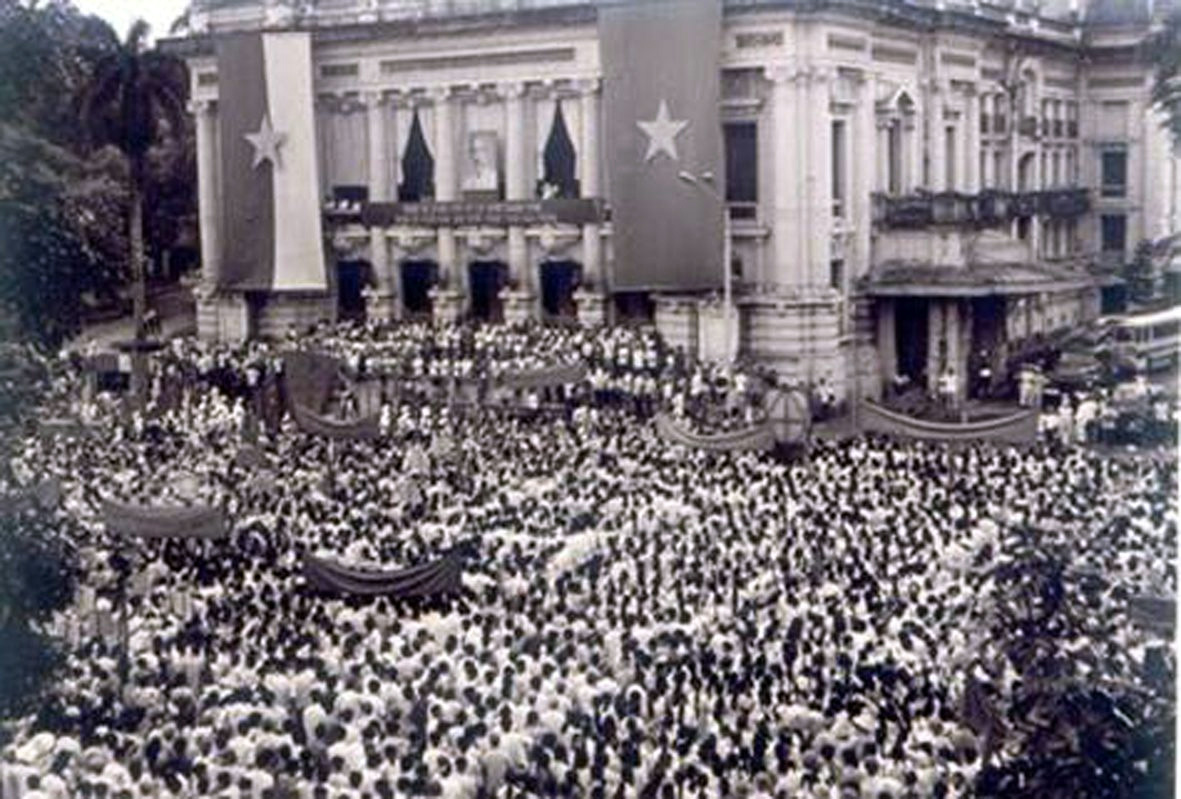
(636,619)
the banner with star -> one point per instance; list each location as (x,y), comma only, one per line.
(665,174)
(270,187)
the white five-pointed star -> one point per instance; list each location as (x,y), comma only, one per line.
(662,133)
(266,143)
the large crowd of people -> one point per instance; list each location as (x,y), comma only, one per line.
(636,619)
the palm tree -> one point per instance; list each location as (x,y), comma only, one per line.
(136,95)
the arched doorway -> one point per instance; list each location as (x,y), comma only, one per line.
(418,276)
(352,277)
(485,280)
(559,279)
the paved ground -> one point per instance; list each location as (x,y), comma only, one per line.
(173,303)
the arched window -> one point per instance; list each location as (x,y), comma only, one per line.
(559,160)
(418,167)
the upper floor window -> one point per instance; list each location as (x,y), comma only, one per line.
(742,167)
(1113,181)
(839,168)
(1113,230)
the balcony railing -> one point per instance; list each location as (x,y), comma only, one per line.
(986,209)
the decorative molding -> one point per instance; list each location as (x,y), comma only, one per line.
(549,55)
(837,41)
(1125,82)
(198,106)
(957,59)
(349,70)
(414,240)
(894,55)
(752,39)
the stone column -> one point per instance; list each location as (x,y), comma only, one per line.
(818,219)
(862,164)
(972,174)
(592,239)
(887,339)
(936,326)
(208,214)
(936,144)
(448,298)
(786,234)
(378,169)
(385,304)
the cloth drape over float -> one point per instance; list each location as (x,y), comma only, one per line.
(788,422)
(365,428)
(143,521)
(1017,428)
(441,576)
(756,438)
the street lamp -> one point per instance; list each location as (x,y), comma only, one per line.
(705,182)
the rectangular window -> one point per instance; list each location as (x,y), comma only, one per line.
(1000,174)
(836,274)
(838,168)
(742,163)
(1114,173)
(894,158)
(1114,231)
(949,156)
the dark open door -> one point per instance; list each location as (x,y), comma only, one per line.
(352,279)
(486,278)
(559,279)
(418,276)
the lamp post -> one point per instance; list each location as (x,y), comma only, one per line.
(705,182)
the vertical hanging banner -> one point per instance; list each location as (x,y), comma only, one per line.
(270,205)
(661,95)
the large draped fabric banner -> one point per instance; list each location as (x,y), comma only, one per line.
(309,379)
(144,521)
(757,437)
(440,576)
(366,428)
(661,95)
(545,377)
(1017,428)
(270,198)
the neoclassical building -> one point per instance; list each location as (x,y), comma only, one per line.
(909,187)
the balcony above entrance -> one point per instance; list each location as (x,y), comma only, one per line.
(986,209)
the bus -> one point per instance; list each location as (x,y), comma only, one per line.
(1150,341)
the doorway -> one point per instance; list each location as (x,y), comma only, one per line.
(485,280)
(418,276)
(559,279)
(352,278)
(911,344)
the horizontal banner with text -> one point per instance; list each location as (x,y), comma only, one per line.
(480,214)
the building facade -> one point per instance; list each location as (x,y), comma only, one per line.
(912,188)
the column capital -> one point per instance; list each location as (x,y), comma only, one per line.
(511,90)
(200,106)
(373,98)
(439,94)
(786,73)
(588,87)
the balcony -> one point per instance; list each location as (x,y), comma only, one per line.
(987,209)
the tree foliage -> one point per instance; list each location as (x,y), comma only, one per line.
(65,193)
(1162,50)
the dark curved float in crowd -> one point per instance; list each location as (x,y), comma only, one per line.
(440,576)
(788,423)
(1015,428)
(365,428)
(150,521)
